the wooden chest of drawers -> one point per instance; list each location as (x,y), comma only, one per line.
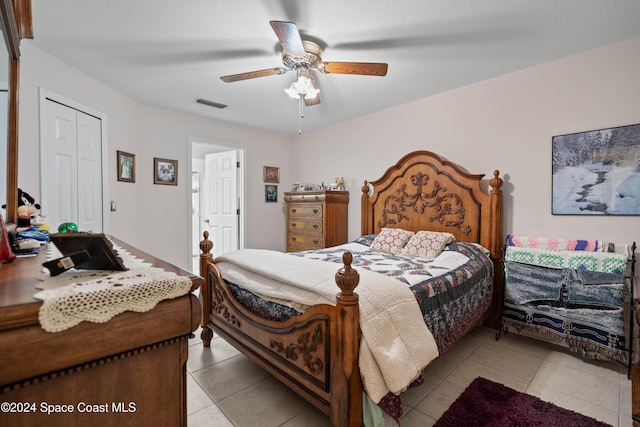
(316,219)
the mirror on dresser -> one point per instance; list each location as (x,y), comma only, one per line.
(16,24)
(4,109)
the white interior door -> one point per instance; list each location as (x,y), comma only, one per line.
(220,201)
(71,167)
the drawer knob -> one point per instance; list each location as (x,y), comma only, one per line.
(293,238)
(315,242)
(293,210)
(315,211)
(293,224)
(315,226)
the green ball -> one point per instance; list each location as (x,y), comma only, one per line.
(67,226)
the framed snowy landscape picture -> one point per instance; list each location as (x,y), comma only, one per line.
(597,172)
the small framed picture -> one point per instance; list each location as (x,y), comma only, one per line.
(126,166)
(271,174)
(165,171)
(271,193)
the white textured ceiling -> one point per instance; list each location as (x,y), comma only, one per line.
(167,53)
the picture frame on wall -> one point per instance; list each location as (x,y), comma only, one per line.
(165,171)
(271,174)
(271,193)
(126,166)
(597,172)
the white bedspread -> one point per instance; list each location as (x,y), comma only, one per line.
(396,344)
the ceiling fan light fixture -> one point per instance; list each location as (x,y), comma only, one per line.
(303,87)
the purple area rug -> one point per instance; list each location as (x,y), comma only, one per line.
(485,403)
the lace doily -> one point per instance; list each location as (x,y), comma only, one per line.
(97,296)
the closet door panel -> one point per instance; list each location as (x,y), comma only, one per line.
(59,165)
(89,173)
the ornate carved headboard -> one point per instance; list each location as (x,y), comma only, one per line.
(424,191)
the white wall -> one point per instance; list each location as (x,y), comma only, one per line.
(505,123)
(152,217)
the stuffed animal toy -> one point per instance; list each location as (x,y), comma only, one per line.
(27,207)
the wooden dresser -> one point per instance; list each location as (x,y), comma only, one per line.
(316,219)
(129,371)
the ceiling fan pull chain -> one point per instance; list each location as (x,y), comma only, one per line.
(301,113)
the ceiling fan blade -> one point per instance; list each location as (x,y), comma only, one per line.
(289,37)
(253,74)
(362,68)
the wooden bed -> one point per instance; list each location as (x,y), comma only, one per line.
(316,353)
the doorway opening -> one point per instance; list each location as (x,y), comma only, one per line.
(216,199)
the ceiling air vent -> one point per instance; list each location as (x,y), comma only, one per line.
(211,103)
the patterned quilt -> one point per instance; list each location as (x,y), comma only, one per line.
(453,291)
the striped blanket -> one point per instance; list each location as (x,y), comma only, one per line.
(555,243)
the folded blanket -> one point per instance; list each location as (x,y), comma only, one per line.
(605,262)
(537,284)
(396,344)
(555,244)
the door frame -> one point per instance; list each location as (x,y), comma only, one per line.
(43,95)
(242,159)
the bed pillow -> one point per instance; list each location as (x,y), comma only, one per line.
(391,240)
(427,244)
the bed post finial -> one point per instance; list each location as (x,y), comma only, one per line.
(365,189)
(346,396)
(347,279)
(205,291)
(205,257)
(365,209)
(496,182)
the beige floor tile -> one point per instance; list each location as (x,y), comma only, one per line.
(509,361)
(411,397)
(197,398)
(569,401)
(439,400)
(415,418)
(467,345)
(229,376)
(313,418)
(444,365)
(211,416)
(625,396)
(576,381)
(471,369)
(201,357)
(268,403)
(524,344)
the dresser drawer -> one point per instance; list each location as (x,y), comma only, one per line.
(305,210)
(305,241)
(310,226)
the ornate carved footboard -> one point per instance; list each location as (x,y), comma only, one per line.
(316,353)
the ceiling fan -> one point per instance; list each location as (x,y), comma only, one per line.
(301,56)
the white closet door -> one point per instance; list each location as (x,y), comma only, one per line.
(71,168)
(59,165)
(89,173)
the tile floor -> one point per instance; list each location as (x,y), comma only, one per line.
(224,388)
